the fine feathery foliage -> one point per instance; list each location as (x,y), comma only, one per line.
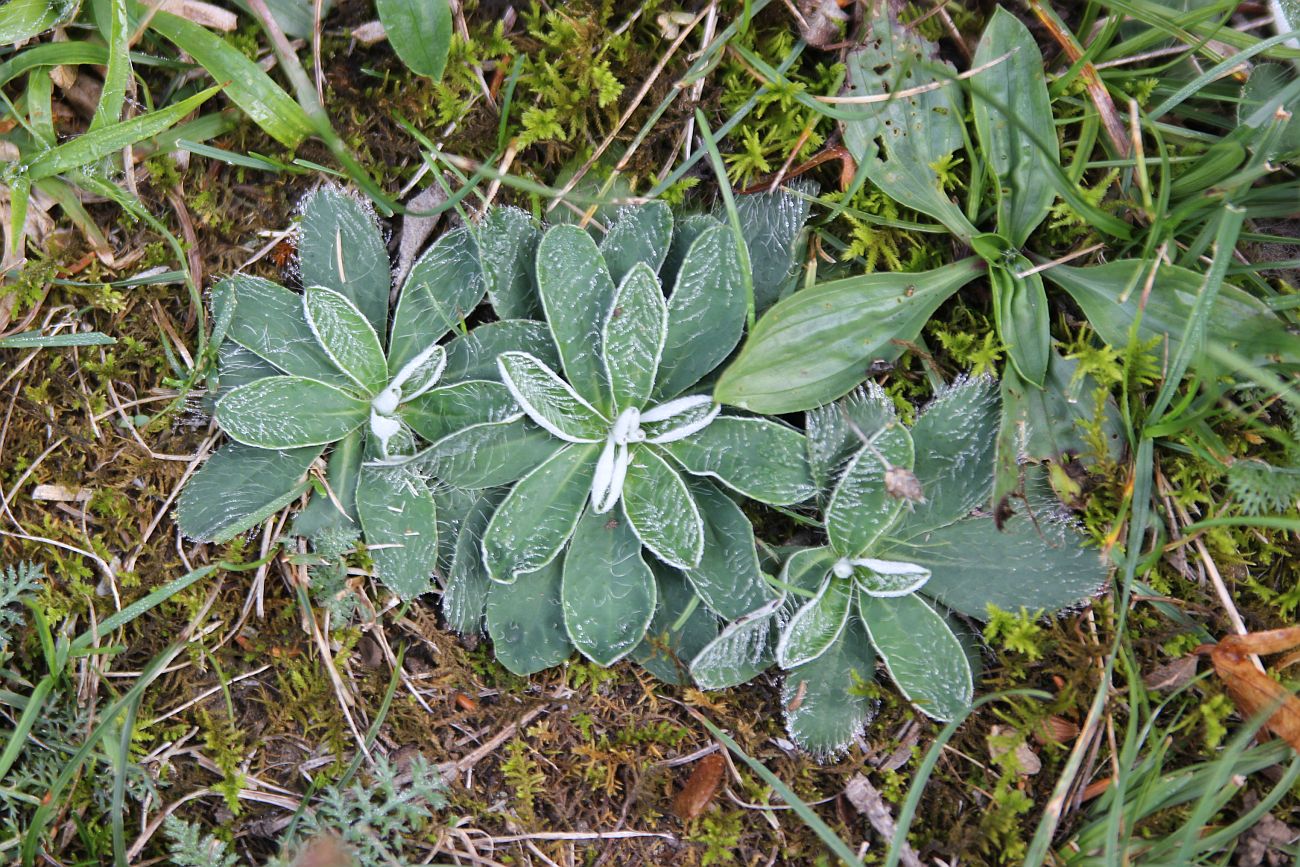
(17,585)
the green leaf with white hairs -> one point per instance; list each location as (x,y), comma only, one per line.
(668,647)
(834,432)
(633,338)
(706,312)
(661,510)
(728,579)
(288,412)
(487,455)
(400,520)
(924,659)
(465,597)
(420,33)
(1011,72)
(443,288)
(771,221)
(474,355)
(417,376)
(608,591)
(443,411)
(825,709)
(639,236)
(576,292)
(888,577)
(762,459)
(347,338)
(861,509)
(549,401)
(238,488)
(237,366)
(678,418)
(954,438)
(742,650)
(268,320)
(817,624)
(507,241)
(526,621)
(340,248)
(539,514)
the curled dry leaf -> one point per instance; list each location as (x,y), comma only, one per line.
(325,850)
(696,795)
(1255,691)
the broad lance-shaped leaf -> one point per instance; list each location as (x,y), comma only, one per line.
(507,242)
(824,708)
(832,431)
(742,650)
(287,412)
(923,657)
(466,593)
(817,625)
(400,521)
(861,509)
(538,515)
(728,580)
(1023,321)
(340,248)
(608,591)
(762,459)
(954,438)
(239,487)
(900,143)
(888,577)
(770,223)
(526,621)
(660,509)
(667,649)
(268,321)
(576,292)
(487,455)
(1011,72)
(706,312)
(549,401)
(443,288)
(816,345)
(444,411)
(474,355)
(633,339)
(420,33)
(237,366)
(640,235)
(346,336)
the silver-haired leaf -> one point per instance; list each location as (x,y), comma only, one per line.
(238,366)
(661,510)
(400,521)
(824,706)
(954,437)
(507,241)
(340,248)
(835,430)
(442,290)
(474,355)
(268,321)
(288,412)
(742,650)
(760,458)
(640,235)
(817,624)
(923,657)
(888,577)
(465,596)
(576,292)
(238,488)
(440,412)
(526,621)
(549,401)
(861,509)
(633,338)
(608,591)
(728,580)
(487,455)
(345,335)
(770,223)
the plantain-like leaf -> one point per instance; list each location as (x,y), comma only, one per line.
(239,487)
(825,709)
(728,580)
(507,242)
(443,288)
(706,312)
(608,591)
(770,223)
(923,657)
(850,323)
(288,412)
(1048,421)
(633,339)
(538,515)
(400,520)
(441,412)
(526,621)
(861,509)
(487,455)
(954,438)
(1113,296)
(742,650)
(817,624)
(550,401)
(1023,321)
(346,336)
(640,235)
(576,292)
(899,143)
(340,248)
(474,355)
(1024,188)
(662,512)
(760,458)
(268,321)
(888,577)
(420,33)
(465,597)
(668,647)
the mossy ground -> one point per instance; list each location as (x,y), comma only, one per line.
(249,712)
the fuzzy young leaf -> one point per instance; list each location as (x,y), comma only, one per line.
(762,459)
(267,320)
(239,487)
(633,339)
(888,577)
(817,625)
(346,336)
(288,412)
(640,235)
(608,591)
(526,621)
(742,650)
(549,401)
(923,657)
(661,510)
(824,709)
(861,508)
(576,291)
(341,249)
(400,520)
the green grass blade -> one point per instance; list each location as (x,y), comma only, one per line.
(118,73)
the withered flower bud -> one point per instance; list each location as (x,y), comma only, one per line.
(902,484)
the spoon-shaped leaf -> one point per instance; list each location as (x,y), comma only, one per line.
(287,412)
(347,338)
(608,591)
(861,508)
(341,249)
(576,292)
(633,340)
(549,401)
(762,459)
(661,510)
(526,621)
(400,520)
(923,657)
(817,625)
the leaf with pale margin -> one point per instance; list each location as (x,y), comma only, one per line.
(507,241)
(441,412)
(660,509)
(678,418)
(238,366)
(400,520)
(770,223)
(633,338)
(685,231)
(487,455)
(465,596)
(549,401)
(608,591)
(268,321)
(667,649)
(760,458)
(728,580)
(286,412)
(742,650)
(824,708)
(888,577)
(454,507)
(239,487)
(474,355)
(576,292)
(923,657)
(834,432)
(954,438)
(443,288)
(640,235)
(861,509)
(526,622)
(340,248)
(817,624)
(346,336)
(538,515)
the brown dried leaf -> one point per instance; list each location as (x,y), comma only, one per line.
(696,795)
(1172,675)
(1253,690)
(326,850)
(821,22)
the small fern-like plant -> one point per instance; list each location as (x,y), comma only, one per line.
(17,585)
(908,552)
